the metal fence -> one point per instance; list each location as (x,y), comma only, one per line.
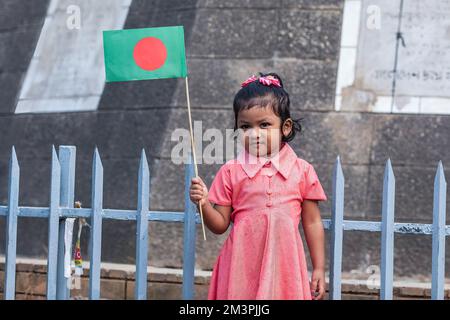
(61,207)
(388,227)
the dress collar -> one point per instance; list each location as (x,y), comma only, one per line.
(283,161)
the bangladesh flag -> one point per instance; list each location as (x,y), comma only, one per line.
(144,54)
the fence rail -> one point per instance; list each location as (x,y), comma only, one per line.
(61,210)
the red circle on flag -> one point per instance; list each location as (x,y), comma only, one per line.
(150,53)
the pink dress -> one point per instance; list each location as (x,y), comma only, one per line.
(263,256)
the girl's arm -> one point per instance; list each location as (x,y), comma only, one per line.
(216,218)
(315,238)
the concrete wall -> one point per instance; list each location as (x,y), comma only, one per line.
(226,42)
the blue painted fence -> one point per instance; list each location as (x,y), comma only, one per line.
(61,207)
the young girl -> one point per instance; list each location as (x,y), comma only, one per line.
(264,192)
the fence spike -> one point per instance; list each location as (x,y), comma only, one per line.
(67,157)
(337,217)
(11,227)
(142,228)
(95,241)
(189,234)
(53,225)
(387,233)
(438,249)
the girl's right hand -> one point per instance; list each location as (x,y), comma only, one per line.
(198,191)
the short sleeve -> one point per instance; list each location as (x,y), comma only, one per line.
(221,189)
(312,189)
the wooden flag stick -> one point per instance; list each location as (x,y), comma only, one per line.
(193,150)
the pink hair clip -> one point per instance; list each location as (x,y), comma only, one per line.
(267,81)
(249,80)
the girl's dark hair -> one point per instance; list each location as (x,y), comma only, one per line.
(258,94)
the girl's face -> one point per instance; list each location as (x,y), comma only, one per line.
(262,130)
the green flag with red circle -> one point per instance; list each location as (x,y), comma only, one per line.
(144,54)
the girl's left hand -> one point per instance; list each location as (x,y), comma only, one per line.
(318,284)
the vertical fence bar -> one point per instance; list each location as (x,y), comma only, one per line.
(53,221)
(66,157)
(387,234)
(438,258)
(142,229)
(337,217)
(95,241)
(11,227)
(189,235)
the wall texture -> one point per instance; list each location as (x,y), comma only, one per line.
(226,42)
